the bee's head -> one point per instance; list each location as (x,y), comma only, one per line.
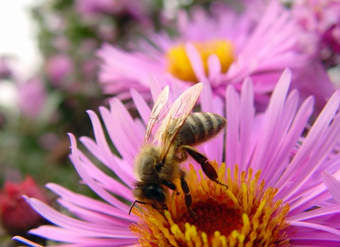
(152,191)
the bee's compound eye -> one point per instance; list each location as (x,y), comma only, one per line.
(155,192)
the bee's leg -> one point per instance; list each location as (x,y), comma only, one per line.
(181,155)
(187,195)
(169,184)
(207,168)
(159,207)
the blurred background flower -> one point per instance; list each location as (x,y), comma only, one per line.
(220,47)
(32,98)
(320,21)
(17,217)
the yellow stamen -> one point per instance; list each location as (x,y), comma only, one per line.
(180,66)
(244,215)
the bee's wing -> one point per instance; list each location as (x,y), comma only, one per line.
(160,102)
(174,120)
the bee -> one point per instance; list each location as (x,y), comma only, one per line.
(157,164)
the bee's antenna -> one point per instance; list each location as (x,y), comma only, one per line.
(133,204)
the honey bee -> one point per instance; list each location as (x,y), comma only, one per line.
(157,164)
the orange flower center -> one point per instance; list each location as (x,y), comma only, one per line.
(179,63)
(243,215)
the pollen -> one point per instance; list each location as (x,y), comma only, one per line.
(180,65)
(243,215)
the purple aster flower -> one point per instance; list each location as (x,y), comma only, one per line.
(89,7)
(222,49)
(59,68)
(32,97)
(275,166)
(5,70)
(136,9)
(320,22)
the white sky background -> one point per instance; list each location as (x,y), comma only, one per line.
(17,35)
(17,40)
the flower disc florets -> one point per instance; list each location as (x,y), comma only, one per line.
(244,214)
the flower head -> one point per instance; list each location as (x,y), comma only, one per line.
(221,50)
(5,68)
(32,97)
(274,164)
(59,69)
(320,23)
(136,9)
(17,216)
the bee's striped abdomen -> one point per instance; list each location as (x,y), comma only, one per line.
(198,127)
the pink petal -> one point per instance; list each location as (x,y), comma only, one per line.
(63,235)
(81,228)
(91,204)
(214,68)
(319,142)
(315,213)
(263,153)
(333,185)
(246,123)
(233,116)
(142,107)
(315,226)
(196,62)
(95,186)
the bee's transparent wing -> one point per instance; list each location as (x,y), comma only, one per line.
(174,120)
(160,102)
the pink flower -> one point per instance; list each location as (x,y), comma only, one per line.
(91,7)
(320,23)
(32,97)
(277,145)
(17,216)
(59,69)
(5,70)
(136,9)
(221,50)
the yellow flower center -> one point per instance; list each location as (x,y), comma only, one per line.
(180,66)
(243,215)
